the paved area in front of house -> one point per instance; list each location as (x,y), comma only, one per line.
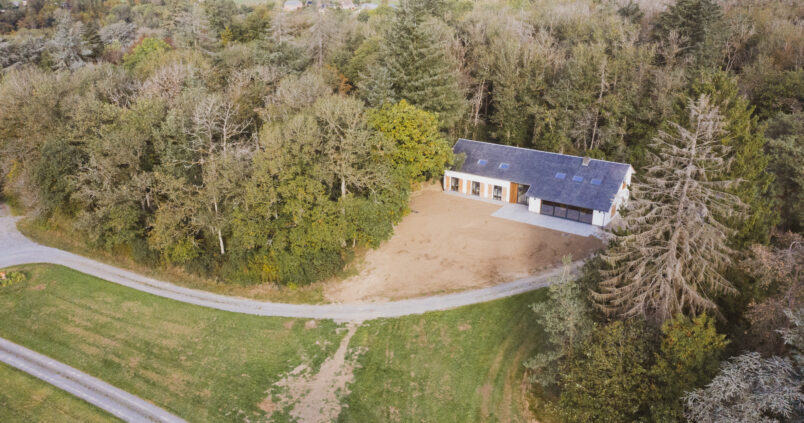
(520,213)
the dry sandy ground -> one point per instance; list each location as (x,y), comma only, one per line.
(316,398)
(448,243)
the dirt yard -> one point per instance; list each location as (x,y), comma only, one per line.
(448,243)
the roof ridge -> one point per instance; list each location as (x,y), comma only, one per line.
(533,149)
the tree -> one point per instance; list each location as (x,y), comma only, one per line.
(192,29)
(420,150)
(67,48)
(668,258)
(565,317)
(608,378)
(748,388)
(779,272)
(417,62)
(688,357)
(699,26)
(743,134)
(377,87)
(145,51)
(348,144)
(786,151)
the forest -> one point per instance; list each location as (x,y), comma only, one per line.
(250,144)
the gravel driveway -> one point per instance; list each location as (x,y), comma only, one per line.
(15,249)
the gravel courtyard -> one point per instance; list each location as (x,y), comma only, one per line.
(448,243)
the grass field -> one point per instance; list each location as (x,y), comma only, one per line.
(202,364)
(24,398)
(462,365)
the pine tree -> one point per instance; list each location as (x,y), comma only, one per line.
(377,88)
(749,388)
(667,260)
(567,323)
(93,46)
(67,45)
(700,26)
(417,62)
(744,136)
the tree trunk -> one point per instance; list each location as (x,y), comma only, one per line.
(220,240)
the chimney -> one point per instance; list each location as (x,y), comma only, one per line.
(586,160)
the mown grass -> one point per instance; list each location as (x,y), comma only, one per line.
(24,398)
(462,365)
(199,363)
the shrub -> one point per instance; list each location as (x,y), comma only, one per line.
(12,278)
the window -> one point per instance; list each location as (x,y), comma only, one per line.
(595,181)
(475,188)
(564,211)
(577,178)
(504,165)
(455,184)
(561,175)
(482,162)
(497,193)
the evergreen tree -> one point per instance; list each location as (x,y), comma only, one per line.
(567,323)
(669,257)
(749,388)
(92,40)
(743,134)
(377,88)
(786,151)
(687,359)
(608,379)
(700,27)
(418,65)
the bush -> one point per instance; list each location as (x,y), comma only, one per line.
(12,278)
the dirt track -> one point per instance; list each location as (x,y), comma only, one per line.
(449,244)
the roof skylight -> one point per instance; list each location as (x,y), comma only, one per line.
(577,178)
(482,162)
(561,175)
(595,181)
(504,165)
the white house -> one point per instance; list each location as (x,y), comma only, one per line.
(570,187)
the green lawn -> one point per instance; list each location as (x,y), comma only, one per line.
(462,365)
(202,364)
(24,398)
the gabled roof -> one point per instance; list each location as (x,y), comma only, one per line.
(542,171)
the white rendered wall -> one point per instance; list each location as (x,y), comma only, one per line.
(486,191)
(534,205)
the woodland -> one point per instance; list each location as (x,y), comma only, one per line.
(249,144)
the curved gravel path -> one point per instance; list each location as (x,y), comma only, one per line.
(94,391)
(16,249)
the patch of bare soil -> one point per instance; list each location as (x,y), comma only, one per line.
(448,243)
(316,398)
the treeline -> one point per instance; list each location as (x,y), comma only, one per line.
(593,78)
(253,144)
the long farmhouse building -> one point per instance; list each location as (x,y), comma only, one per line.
(569,187)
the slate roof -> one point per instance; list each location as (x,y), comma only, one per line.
(539,168)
